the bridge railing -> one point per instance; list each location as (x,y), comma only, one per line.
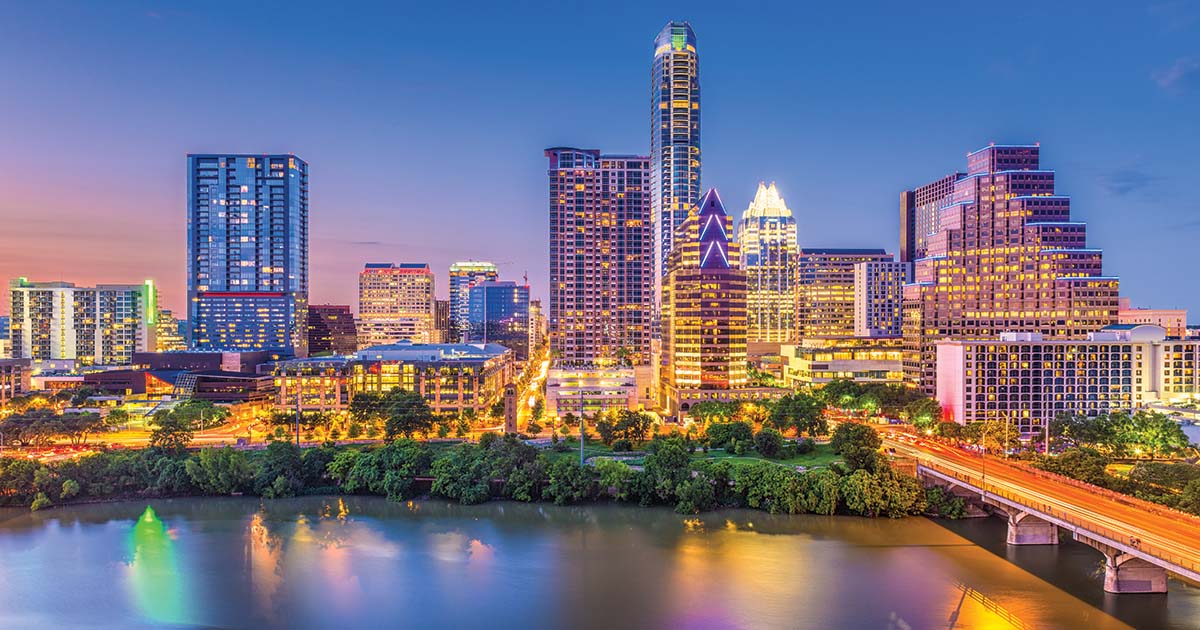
(1084,524)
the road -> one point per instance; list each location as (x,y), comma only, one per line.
(1163,533)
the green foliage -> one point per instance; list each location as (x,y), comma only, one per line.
(70,488)
(858,444)
(667,466)
(219,471)
(923,413)
(462,474)
(41,501)
(279,459)
(804,446)
(1175,475)
(944,503)
(721,433)
(863,494)
(172,432)
(1084,464)
(389,470)
(803,411)
(569,482)
(713,411)
(1189,499)
(768,443)
(622,445)
(1143,434)
(615,478)
(695,495)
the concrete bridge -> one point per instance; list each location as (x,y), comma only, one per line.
(1141,542)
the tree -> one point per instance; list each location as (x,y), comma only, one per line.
(279,460)
(862,493)
(721,434)
(172,433)
(923,413)
(77,426)
(220,470)
(712,411)
(633,425)
(667,465)
(1084,464)
(407,413)
(117,418)
(858,444)
(841,393)
(569,482)
(1149,433)
(803,411)
(996,436)
(615,478)
(769,443)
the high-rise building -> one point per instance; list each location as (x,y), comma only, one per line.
(101,325)
(14,378)
(825,290)
(704,308)
(878,293)
(248,252)
(166,333)
(331,330)
(499,313)
(674,139)
(767,238)
(463,276)
(537,325)
(5,340)
(919,215)
(601,251)
(441,320)
(1003,255)
(1173,320)
(395,303)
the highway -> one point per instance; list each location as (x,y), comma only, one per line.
(1158,531)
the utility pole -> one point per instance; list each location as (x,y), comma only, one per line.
(582,429)
(983,483)
(297,416)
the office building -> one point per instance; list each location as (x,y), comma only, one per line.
(82,326)
(1173,320)
(817,361)
(537,325)
(14,378)
(248,252)
(499,314)
(601,253)
(1029,379)
(441,320)
(674,140)
(463,276)
(395,303)
(331,330)
(766,235)
(1004,255)
(825,290)
(919,215)
(878,297)
(166,333)
(589,389)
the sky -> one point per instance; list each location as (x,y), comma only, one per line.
(424,123)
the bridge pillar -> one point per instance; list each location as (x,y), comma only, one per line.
(1124,573)
(1026,529)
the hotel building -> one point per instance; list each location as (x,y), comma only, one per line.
(601,253)
(1029,379)
(248,252)
(825,290)
(395,303)
(463,276)
(1004,256)
(101,325)
(878,297)
(766,236)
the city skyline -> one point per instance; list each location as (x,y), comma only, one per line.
(1119,137)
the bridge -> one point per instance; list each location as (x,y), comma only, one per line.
(1141,541)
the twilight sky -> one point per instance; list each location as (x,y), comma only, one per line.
(424,125)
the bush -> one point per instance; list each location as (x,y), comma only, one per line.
(41,501)
(695,495)
(720,434)
(805,446)
(569,482)
(769,443)
(944,504)
(622,446)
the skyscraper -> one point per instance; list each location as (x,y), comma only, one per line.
(766,236)
(825,290)
(463,276)
(878,290)
(919,215)
(395,303)
(101,325)
(499,313)
(331,330)
(441,320)
(601,270)
(704,307)
(1003,256)
(674,138)
(248,252)
(166,333)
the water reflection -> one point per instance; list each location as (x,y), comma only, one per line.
(155,582)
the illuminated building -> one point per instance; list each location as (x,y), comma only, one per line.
(441,320)
(766,235)
(674,140)
(878,297)
(101,325)
(859,359)
(331,330)
(248,252)
(537,325)
(453,378)
(601,251)
(463,276)
(395,303)
(1004,256)
(499,313)
(5,340)
(14,378)
(1174,321)
(166,333)
(919,215)
(592,388)
(1029,379)
(825,290)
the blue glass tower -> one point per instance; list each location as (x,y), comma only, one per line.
(248,253)
(499,313)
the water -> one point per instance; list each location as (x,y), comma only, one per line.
(360,562)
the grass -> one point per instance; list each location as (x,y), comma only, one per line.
(591,448)
(820,456)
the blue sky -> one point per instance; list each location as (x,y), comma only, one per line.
(424,125)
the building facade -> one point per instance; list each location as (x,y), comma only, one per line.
(1029,379)
(166,333)
(601,256)
(14,378)
(674,140)
(859,359)
(441,320)
(331,330)
(499,314)
(248,252)
(919,215)
(101,325)
(825,290)
(1004,255)
(463,276)
(589,389)
(766,236)
(395,303)
(879,297)
(1173,320)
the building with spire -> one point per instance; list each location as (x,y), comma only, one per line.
(674,138)
(766,236)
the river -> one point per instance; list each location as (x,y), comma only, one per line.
(362,562)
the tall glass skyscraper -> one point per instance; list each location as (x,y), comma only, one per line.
(674,138)
(499,313)
(463,276)
(248,252)
(767,236)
